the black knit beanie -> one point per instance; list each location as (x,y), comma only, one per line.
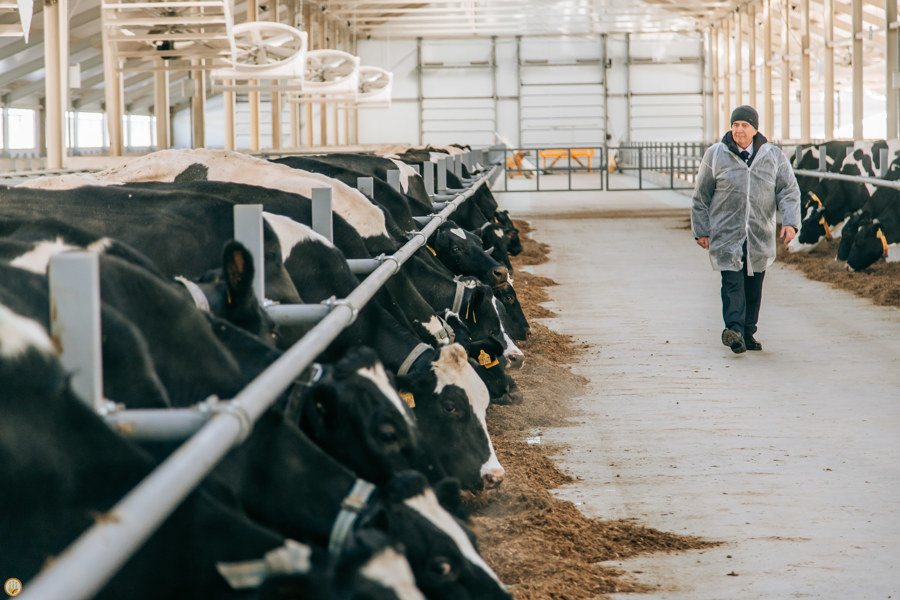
(746,113)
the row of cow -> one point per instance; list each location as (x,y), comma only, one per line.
(865,217)
(398,399)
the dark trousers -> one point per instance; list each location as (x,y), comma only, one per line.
(741,298)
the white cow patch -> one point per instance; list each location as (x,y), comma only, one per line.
(458,232)
(290,233)
(406,171)
(225,165)
(377,375)
(453,368)
(427,505)
(391,569)
(435,327)
(18,334)
(795,246)
(100,246)
(893,253)
(37,259)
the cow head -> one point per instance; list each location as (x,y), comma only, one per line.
(486,357)
(354,413)
(512,316)
(230,294)
(870,245)
(814,227)
(848,233)
(462,253)
(495,242)
(450,406)
(512,234)
(440,550)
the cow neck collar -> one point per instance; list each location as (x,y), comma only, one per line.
(351,506)
(825,226)
(415,353)
(458,296)
(197,295)
(880,235)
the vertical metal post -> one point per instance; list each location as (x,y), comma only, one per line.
(441,175)
(56,80)
(248,230)
(428,177)
(393,179)
(366,186)
(74,279)
(856,20)
(671,166)
(883,170)
(420,99)
(161,106)
(828,34)
(416,169)
(823,157)
(321,212)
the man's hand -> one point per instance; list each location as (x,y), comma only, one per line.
(787,233)
(703,242)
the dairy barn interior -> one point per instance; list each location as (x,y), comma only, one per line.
(375,299)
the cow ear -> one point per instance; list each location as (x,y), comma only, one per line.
(238,271)
(449,495)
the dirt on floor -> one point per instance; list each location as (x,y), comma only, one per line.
(543,547)
(880,282)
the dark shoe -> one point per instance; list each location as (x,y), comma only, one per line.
(734,340)
(751,343)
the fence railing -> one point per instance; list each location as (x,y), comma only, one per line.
(634,166)
(92,560)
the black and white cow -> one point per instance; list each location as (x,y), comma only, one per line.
(876,239)
(828,203)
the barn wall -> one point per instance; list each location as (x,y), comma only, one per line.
(551,91)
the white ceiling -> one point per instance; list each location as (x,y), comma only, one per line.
(464,18)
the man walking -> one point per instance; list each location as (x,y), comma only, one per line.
(741,183)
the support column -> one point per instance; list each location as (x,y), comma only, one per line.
(753,67)
(856,27)
(892,66)
(161,107)
(56,86)
(786,71)
(198,104)
(726,56)
(228,101)
(714,73)
(276,121)
(805,99)
(738,57)
(767,68)
(112,89)
(253,97)
(828,24)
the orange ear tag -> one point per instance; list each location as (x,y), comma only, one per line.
(484,359)
(408,398)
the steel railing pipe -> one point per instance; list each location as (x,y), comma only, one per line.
(90,562)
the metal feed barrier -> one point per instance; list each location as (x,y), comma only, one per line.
(670,166)
(214,426)
(655,166)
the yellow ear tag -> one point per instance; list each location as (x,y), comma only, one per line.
(408,398)
(431,249)
(484,359)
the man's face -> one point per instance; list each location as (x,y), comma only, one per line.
(743,133)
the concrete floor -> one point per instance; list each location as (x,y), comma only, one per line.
(790,456)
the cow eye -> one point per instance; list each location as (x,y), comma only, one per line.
(450,408)
(440,566)
(387,433)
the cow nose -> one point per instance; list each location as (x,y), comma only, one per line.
(515,361)
(499,275)
(493,479)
